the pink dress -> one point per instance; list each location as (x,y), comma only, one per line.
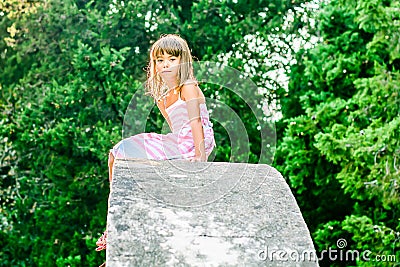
(176,145)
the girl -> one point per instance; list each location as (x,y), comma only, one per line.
(170,81)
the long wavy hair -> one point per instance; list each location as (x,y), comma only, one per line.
(176,46)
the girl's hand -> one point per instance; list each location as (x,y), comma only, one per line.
(198,159)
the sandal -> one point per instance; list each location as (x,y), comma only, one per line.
(102,242)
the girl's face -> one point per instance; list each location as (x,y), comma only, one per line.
(167,66)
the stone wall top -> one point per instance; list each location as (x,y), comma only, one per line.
(177,213)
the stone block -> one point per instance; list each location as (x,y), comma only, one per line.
(178,213)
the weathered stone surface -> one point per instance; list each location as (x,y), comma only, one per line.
(177,213)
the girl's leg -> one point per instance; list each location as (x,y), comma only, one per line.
(102,242)
(110,166)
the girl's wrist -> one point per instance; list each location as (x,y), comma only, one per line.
(200,156)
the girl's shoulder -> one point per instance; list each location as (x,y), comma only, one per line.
(189,82)
(190,90)
(189,85)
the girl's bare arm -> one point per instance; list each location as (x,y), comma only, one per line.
(193,97)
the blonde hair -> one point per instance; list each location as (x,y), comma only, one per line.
(176,46)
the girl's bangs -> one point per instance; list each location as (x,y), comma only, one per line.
(171,47)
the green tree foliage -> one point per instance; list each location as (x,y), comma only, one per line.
(341,147)
(61,115)
(68,71)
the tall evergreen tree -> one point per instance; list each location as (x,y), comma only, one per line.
(340,148)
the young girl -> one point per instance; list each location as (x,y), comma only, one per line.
(170,81)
